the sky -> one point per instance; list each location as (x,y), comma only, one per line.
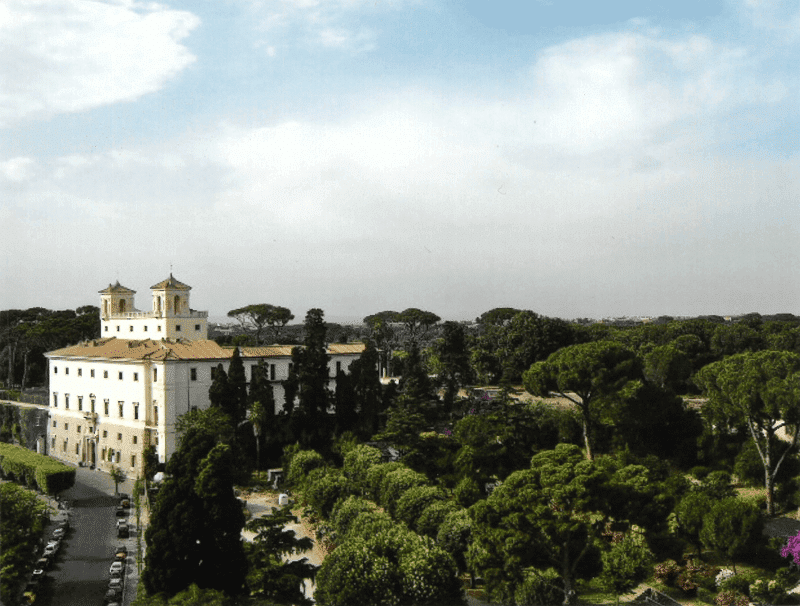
(579,159)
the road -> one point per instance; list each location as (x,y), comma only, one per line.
(79,575)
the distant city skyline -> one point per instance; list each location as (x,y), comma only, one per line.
(572,158)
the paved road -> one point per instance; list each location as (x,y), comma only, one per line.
(79,575)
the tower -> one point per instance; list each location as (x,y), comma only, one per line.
(116,300)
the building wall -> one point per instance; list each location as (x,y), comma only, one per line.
(144,325)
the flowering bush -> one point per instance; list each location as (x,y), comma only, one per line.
(722,576)
(792,549)
(695,575)
(667,573)
(731,598)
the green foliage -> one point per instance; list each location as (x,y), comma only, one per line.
(34,470)
(301,465)
(433,516)
(539,588)
(22,520)
(376,474)
(357,462)
(455,536)
(254,318)
(586,374)
(347,510)
(118,476)
(689,515)
(395,484)
(323,490)
(626,564)
(732,527)
(553,515)
(668,367)
(196,521)
(393,566)
(413,501)
(468,492)
(270,575)
(759,391)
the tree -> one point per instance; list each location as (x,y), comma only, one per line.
(367,388)
(310,376)
(118,475)
(261,403)
(689,515)
(668,367)
(236,406)
(270,575)
(150,462)
(417,322)
(22,521)
(196,521)
(626,564)
(254,318)
(344,402)
(584,374)
(760,391)
(553,515)
(388,566)
(732,527)
(453,357)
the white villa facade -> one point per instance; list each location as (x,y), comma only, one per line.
(112,397)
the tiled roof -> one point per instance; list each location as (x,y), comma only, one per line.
(169,349)
(130,349)
(170,283)
(117,288)
(346,348)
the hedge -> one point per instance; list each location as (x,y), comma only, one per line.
(35,470)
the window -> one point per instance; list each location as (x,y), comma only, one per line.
(135,411)
(156,440)
(145,328)
(155,374)
(92,401)
(105,328)
(193,372)
(197,327)
(80,402)
(155,414)
(79,428)
(78,448)
(159,328)
(55,423)
(80,372)
(55,400)
(130,329)
(105,374)
(66,426)
(133,460)
(66,440)
(338,367)
(177,328)
(66,370)
(105,406)
(135,439)
(103,455)
(119,437)
(136,376)
(271,372)
(105,433)
(90,429)
(53,442)
(120,405)
(55,370)
(118,328)
(66,401)
(91,373)
(120,375)
(119,456)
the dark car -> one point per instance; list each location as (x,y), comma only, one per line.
(113,595)
(123,532)
(124,500)
(121,512)
(43,563)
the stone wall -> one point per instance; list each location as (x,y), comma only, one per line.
(23,424)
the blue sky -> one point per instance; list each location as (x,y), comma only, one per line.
(574,158)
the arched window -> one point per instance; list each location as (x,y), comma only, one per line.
(158,304)
(177,303)
(105,307)
(122,306)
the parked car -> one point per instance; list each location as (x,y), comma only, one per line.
(123,531)
(113,595)
(116,566)
(59,533)
(43,562)
(124,500)
(121,557)
(121,512)
(38,573)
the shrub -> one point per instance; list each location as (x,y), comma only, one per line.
(323,490)
(433,516)
(455,536)
(395,483)
(414,500)
(467,492)
(35,470)
(732,598)
(539,587)
(301,465)
(357,462)
(375,476)
(667,573)
(346,511)
(369,523)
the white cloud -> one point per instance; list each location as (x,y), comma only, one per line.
(62,56)
(17,170)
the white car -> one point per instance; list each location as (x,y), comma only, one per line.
(116,567)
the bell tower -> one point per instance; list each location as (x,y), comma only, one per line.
(116,300)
